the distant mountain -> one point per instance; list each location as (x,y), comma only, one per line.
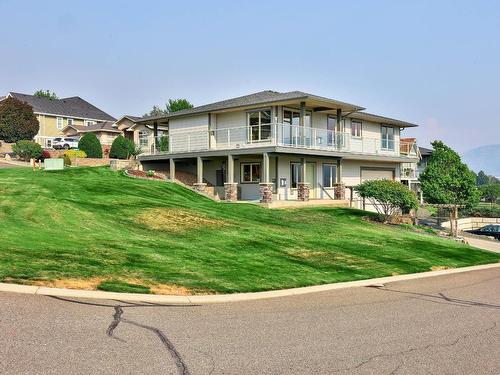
(485,158)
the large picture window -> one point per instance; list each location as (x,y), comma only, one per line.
(329,175)
(250,172)
(295,174)
(387,137)
(259,123)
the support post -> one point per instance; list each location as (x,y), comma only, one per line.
(172,169)
(199,185)
(230,187)
(155,137)
(303,187)
(266,187)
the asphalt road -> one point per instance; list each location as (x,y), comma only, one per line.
(440,325)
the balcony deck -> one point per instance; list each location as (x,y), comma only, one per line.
(278,138)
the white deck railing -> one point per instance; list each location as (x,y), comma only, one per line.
(282,135)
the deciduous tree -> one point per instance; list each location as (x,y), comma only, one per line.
(17,121)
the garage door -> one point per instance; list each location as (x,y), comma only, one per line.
(377,174)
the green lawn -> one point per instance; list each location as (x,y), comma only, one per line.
(93,228)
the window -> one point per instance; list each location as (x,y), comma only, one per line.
(250,172)
(60,122)
(89,122)
(259,123)
(143,138)
(356,129)
(70,121)
(329,175)
(295,174)
(387,137)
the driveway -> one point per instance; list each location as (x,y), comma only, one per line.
(448,324)
(490,245)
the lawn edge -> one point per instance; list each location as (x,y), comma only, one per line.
(235,297)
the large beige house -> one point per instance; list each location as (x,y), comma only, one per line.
(272,146)
(54,115)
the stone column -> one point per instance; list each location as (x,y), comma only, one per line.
(303,191)
(266,187)
(339,191)
(230,187)
(231,191)
(199,185)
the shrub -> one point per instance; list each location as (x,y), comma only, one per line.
(45,155)
(481,211)
(163,143)
(150,173)
(122,148)
(67,160)
(26,150)
(90,145)
(388,197)
(75,154)
(17,121)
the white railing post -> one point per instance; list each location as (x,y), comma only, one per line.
(228,138)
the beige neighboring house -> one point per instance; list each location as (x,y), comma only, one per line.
(274,146)
(142,134)
(104,131)
(54,115)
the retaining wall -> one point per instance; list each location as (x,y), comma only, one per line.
(473,222)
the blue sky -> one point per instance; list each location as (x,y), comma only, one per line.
(435,63)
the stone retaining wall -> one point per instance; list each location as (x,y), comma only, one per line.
(473,222)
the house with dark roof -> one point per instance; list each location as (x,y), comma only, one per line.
(272,146)
(56,114)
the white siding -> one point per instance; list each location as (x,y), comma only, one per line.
(189,133)
(230,130)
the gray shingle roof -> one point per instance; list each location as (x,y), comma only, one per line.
(103,126)
(262,97)
(425,151)
(68,107)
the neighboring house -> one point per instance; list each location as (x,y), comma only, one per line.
(141,134)
(105,131)
(410,172)
(279,146)
(56,114)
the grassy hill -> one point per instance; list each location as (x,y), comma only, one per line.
(92,228)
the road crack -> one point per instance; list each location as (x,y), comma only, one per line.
(415,349)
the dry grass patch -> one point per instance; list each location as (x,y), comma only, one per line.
(83,284)
(439,268)
(170,289)
(176,219)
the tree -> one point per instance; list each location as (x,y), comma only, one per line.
(388,197)
(27,150)
(46,94)
(490,193)
(173,105)
(178,105)
(90,145)
(482,179)
(448,181)
(17,121)
(122,148)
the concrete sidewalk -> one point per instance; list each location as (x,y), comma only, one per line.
(490,245)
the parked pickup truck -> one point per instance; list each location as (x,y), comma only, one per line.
(488,230)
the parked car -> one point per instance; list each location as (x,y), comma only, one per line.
(65,143)
(488,230)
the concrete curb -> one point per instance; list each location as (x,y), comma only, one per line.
(221,298)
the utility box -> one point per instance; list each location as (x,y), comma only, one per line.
(53,164)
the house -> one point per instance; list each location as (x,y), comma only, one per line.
(141,133)
(56,114)
(104,131)
(410,171)
(271,146)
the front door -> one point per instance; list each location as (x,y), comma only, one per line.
(311,178)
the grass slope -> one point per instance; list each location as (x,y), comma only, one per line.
(130,234)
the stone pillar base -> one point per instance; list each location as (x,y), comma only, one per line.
(201,187)
(303,191)
(266,192)
(231,191)
(339,192)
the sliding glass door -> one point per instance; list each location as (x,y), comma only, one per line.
(293,133)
